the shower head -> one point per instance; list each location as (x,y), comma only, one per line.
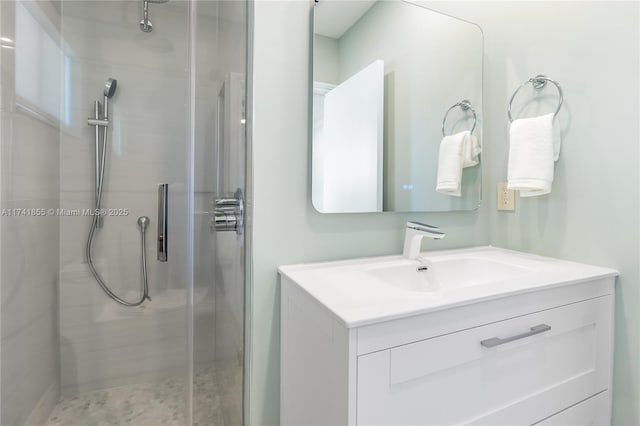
(146,25)
(110,87)
(109,91)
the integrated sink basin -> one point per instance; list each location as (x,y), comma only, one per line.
(370,290)
(447,273)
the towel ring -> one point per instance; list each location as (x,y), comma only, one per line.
(538,82)
(465,105)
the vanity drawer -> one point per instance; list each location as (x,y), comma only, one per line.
(454,379)
(595,411)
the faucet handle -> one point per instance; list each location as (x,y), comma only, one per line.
(418,226)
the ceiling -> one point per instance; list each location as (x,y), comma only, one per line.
(335,17)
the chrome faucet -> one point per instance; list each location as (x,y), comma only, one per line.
(413,235)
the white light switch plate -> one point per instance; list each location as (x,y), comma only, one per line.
(506,197)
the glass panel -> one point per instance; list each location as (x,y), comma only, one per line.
(138,353)
(71,353)
(37,81)
(220,168)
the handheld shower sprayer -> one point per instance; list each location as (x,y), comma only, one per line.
(101,129)
(109,90)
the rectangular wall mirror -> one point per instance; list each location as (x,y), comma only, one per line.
(385,75)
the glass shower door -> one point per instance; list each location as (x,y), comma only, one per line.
(129,364)
(105,103)
(93,104)
(220,194)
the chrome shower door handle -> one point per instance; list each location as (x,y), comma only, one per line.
(496,341)
(163,208)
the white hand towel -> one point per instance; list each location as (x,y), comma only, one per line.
(557,139)
(534,145)
(470,150)
(450,163)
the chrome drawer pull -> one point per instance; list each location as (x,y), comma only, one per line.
(496,341)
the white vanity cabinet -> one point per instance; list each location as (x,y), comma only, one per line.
(538,356)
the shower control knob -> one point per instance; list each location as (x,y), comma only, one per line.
(228,213)
(224,222)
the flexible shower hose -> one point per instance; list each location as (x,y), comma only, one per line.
(92,230)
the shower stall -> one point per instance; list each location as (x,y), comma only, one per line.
(123,229)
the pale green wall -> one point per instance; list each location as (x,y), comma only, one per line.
(326,66)
(592,215)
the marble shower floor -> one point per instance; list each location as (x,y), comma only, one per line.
(143,404)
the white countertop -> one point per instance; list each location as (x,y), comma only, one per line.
(358,298)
